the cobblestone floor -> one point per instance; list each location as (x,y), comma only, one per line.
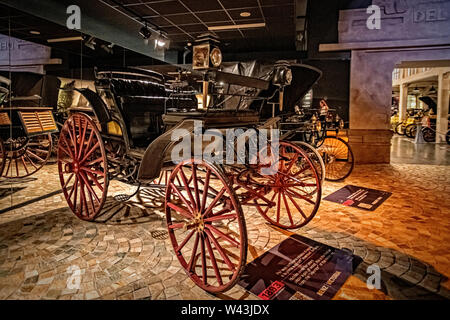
(126,253)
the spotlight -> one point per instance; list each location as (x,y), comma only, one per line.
(145,32)
(108,48)
(161,42)
(90,43)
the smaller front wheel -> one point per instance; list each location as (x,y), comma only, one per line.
(206,225)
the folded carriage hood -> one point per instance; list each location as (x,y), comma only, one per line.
(429,102)
(303,79)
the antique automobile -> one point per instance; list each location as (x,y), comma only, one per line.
(25,133)
(320,136)
(127,134)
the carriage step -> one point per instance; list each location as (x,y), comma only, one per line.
(122,197)
(125,197)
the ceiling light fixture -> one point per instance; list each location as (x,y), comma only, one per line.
(145,32)
(34,32)
(90,43)
(245,14)
(237,26)
(64,39)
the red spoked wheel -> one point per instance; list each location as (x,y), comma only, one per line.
(82,166)
(164,178)
(290,196)
(24,156)
(206,225)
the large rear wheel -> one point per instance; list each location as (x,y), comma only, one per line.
(82,166)
(206,225)
(289,196)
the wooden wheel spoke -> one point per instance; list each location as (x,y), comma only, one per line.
(258,206)
(17,166)
(90,175)
(72,138)
(195,180)
(24,165)
(287,209)
(205,190)
(194,253)
(221,217)
(297,206)
(222,235)
(213,203)
(278,206)
(203,253)
(88,185)
(77,181)
(189,205)
(292,161)
(182,211)
(300,196)
(100,173)
(98,160)
(31,161)
(213,261)
(68,180)
(221,251)
(35,156)
(63,139)
(185,241)
(82,140)
(176,226)
(186,186)
(97,145)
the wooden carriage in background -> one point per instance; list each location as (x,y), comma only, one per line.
(25,134)
(127,135)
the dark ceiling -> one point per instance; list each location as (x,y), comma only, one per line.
(19,24)
(184,20)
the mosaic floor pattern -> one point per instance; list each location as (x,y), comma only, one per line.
(126,254)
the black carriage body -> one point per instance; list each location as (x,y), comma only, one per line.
(137,109)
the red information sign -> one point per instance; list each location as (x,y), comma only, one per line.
(272,290)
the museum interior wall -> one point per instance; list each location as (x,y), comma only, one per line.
(410,31)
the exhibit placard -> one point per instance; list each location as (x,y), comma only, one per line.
(359,197)
(298,268)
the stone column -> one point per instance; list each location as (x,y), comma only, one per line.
(370,106)
(403,101)
(442,106)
